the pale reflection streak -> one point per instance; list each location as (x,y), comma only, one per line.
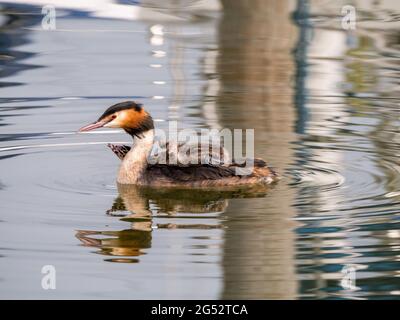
(258,93)
(342,127)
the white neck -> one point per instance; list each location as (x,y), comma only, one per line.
(134,163)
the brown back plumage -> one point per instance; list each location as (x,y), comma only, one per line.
(202,173)
(215,175)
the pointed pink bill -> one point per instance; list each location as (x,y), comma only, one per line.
(92,126)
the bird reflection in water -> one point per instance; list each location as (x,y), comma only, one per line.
(143,207)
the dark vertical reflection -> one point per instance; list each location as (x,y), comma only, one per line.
(256,68)
(349,134)
(301,19)
(11,36)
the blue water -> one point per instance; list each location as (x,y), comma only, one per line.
(324,103)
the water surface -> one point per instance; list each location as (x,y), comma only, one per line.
(324,105)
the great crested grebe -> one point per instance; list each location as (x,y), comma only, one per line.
(138,170)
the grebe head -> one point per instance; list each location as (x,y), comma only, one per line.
(127,115)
